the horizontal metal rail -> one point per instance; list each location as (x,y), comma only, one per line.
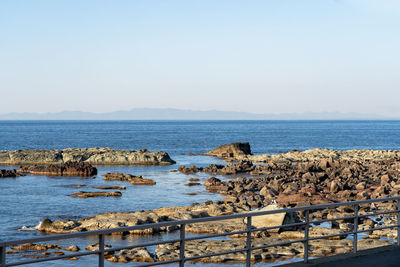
(249,230)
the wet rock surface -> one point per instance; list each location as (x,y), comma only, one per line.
(9,173)
(95,156)
(84,194)
(64,169)
(110,187)
(134,180)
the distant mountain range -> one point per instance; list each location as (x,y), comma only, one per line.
(180,114)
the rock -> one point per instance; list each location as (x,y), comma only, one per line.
(239,167)
(313,232)
(117,176)
(189,170)
(110,187)
(270,220)
(121,219)
(213,168)
(231,150)
(192,184)
(32,246)
(83,194)
(96,156)
(134,180)
(385,179)
(362,196)
(96,246)
(361,186)
(170,251)
(73,248)
(213,184)
(134,254)
(333,156)
(194,179)
(142,181)
(9,173)
(334,187)
(58,227)
(212,181)
(231,199)
(64,169)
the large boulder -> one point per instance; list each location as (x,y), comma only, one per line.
(277,219)
(230,151)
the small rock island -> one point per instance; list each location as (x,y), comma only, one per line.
(95,156)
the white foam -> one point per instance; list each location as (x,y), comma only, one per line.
(29,228)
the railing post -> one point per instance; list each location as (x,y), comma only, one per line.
(355,228)
(306,235)
(2,256)
(248,242)
(398,222)
(101,250)
(182,246)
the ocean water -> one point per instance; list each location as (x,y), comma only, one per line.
(25,201)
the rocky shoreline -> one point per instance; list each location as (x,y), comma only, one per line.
(95,156)
(297,178)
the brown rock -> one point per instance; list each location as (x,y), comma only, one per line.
(8,173)
(135,180)
(192,184)
(189,170)
(110,187)
(231,150)
(361,186)
(83,194)
(334,187)
(33,246)
(64,169)
(385,179)
(73,248)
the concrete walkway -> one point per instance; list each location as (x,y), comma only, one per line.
(388,256)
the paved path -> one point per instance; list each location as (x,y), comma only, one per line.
(379,257)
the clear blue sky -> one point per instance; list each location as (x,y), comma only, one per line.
(257,56)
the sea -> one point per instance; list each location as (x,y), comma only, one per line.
(25,201)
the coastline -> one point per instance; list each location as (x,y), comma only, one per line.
(260,185)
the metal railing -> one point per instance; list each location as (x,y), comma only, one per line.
(249,229)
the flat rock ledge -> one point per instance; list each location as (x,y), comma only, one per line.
(84,194)
(64,169)
(95,156)
(125,177)
(318,248)
(170,251)
(242,151)
(316,154)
